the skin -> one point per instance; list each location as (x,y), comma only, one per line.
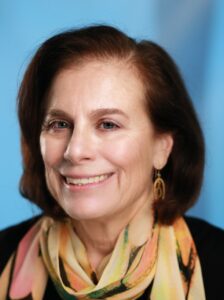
(96,124)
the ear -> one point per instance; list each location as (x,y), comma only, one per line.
(164,145)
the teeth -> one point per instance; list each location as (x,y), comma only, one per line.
(83,181)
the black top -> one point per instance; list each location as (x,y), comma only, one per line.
(209,242)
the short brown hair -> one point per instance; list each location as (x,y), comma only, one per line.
(168,105)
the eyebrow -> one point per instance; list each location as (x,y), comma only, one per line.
(107,111)
(96,113)
(57,113)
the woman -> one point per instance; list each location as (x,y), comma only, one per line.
(113,155)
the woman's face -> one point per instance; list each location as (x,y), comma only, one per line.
(98,144)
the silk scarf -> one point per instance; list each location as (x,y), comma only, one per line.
(166,261)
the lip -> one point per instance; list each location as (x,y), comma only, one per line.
(74,188)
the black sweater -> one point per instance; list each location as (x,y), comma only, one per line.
(209,242)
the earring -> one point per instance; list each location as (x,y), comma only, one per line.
(159,189)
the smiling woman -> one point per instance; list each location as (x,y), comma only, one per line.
(107,158)
(100,117)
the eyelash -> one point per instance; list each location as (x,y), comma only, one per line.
(103,122)
(54,123)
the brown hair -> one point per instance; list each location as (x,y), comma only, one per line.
(168,105)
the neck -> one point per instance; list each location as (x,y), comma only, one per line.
(100,236)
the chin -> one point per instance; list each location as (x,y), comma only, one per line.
(86,212)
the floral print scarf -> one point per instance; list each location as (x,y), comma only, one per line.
(166,261)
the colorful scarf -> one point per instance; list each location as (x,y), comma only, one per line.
(167,262)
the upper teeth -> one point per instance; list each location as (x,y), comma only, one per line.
(81,181)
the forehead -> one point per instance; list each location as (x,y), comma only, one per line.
(98,83)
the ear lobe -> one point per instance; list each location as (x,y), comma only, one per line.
(163,150)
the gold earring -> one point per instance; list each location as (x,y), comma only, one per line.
(159,189)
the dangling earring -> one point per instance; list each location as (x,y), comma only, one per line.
(159,189)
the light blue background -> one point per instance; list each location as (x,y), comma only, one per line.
(192,31)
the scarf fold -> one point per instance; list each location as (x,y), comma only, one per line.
(167,260)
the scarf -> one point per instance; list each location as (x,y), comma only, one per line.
(166,261)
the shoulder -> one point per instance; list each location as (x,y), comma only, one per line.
(207,237)
(10,237)
(9,240)
(209,241)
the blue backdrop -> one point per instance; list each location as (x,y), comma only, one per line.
(191,31)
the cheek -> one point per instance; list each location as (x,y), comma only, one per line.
(52,150)
(130,154)
(52,154)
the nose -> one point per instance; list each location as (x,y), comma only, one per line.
(80,147)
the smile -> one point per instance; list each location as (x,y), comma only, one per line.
(87,180)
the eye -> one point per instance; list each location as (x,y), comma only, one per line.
(107,125)
(57,125)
